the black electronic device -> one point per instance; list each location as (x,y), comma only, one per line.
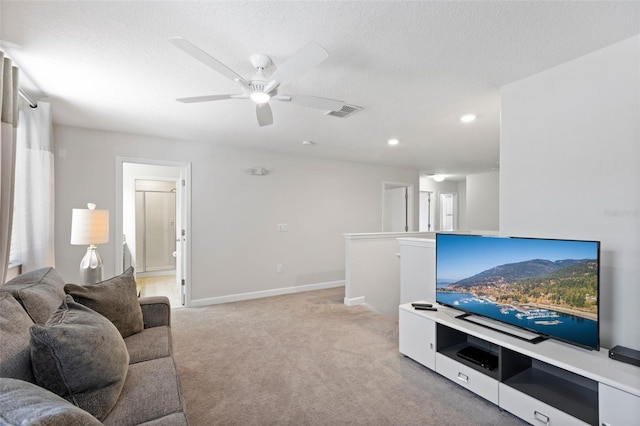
(623,354)
(480,357)
(425,308)
(427,305)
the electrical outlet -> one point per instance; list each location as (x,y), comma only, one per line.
(279,268)
(283,227)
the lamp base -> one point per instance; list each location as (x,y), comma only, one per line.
(91,266)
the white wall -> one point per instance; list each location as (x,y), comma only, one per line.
(373,269)
(570,161)
(483,201)
(235,246)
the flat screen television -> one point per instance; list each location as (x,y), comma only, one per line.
(546,286)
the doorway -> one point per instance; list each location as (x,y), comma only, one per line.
(397,207)
(155,213)
(153,205)
(448,211)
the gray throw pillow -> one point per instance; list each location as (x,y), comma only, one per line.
(40,292)
(23,403)
(115,298)
(80,355)
(15,352)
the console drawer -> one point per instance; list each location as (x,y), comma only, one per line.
(467,377)
(533,410)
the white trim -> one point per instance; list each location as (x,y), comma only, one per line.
(417,242)
(387,235)
(265,293)
(353,301)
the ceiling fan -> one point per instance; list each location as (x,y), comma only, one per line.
(260,88)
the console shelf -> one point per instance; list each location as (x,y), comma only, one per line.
(451,341)
(549,382)
(572,398)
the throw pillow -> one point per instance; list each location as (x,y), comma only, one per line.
(80,355)
(15,353)
(40,292)
(23,403)
(115,298)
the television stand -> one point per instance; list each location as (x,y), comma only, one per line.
(514,331)
(548,383)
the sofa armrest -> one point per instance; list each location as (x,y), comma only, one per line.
(156,311)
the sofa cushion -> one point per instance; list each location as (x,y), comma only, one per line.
(115,298)
(15,356)
(40,292)
(80,355)
(23,403)
(150,343)
(151,391)
(175,419)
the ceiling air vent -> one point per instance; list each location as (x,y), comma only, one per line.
(345,111)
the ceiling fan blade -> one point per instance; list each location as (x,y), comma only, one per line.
(316,102)
(264,114)
(302,61)
(193,50)
(207,98)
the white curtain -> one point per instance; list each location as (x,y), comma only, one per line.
(33,219)
(8,132)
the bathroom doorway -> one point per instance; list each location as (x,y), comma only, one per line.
(154,204)
(155,227)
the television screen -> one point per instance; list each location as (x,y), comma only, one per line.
(547,286)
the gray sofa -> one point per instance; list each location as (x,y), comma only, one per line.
(62,363)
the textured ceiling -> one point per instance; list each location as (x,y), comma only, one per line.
(415,67)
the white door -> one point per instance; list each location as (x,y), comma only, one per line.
(448,211)
(397,202)
(181,236)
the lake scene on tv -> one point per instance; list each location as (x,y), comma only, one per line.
(544,285)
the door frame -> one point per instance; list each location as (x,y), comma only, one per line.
(183,200)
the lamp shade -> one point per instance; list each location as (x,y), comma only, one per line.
(89,226)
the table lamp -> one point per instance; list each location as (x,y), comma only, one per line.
(90,226)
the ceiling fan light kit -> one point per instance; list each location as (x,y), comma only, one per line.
(260,88)
(260,97)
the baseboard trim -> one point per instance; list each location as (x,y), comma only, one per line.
(353,301)
(266,293)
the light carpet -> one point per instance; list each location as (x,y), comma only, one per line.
(307,359)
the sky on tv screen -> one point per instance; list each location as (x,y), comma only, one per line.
(462,256)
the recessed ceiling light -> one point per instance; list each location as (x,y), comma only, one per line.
(308,143)
(438,178)
(393,142)
(467,118)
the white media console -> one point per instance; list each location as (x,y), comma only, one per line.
(548,383)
